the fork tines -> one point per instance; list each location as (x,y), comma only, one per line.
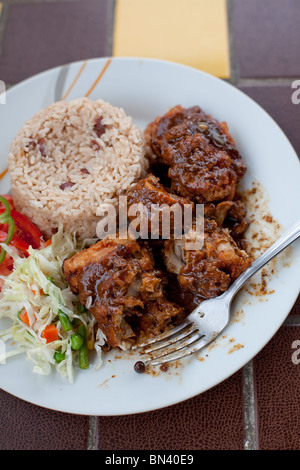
(175,344)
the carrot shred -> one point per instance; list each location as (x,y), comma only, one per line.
(50,334)
(47,243)
(24,317)
(34,291)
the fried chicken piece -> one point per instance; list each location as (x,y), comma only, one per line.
(231,215)
(153,197)
(149,191)
(206,272)
(236,220)
(203,161)
(156,130)
(124,291)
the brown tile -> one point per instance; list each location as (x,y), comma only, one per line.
(277,389)
(267,37)
(42,35)
(213,420)
(28,427)
(277,101)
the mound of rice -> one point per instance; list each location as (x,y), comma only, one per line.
(72,158)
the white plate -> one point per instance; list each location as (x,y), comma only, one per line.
(146,89)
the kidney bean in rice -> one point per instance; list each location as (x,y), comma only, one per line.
(71,158)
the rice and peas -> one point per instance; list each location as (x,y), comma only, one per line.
(65,163)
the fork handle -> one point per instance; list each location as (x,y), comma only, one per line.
(283,242)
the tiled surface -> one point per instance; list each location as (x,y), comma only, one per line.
(277,388)
(276,100)
(197,424)
(257,407)
(28,427)
(267,37)
(39,36)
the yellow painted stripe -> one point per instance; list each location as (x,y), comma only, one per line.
(189,32)
(75,80)
(98,78)
(1,6)
(3,174)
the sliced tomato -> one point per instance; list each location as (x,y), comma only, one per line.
(8,261)
(7,264)
(3,236)
(21,246)
(26,230)
(18,243)
(25,234)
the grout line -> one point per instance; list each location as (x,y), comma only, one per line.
(22,2)
(250,442)
(292,320)
(9,85)
(233,64)
(3,17)
(266,81)
(111,21)
(93,433)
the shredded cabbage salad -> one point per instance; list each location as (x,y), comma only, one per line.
(37,288)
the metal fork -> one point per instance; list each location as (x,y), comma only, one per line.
(210,318)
